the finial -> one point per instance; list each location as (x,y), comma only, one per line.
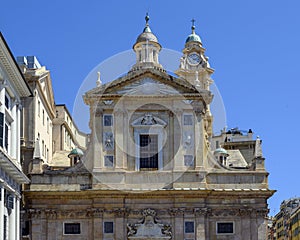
(193,25)
(98,82)
(147,19)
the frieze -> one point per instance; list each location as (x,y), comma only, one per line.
(176,212)
(201,211)
(121,212)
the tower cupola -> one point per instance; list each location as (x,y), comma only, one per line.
(193,37)
(147,49)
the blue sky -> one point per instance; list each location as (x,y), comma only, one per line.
(252,45)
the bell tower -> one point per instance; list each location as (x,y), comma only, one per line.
(194,65)
(195,68)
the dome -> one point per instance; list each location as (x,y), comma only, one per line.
(147,34)
(76,152)
(193,37)
(220,150)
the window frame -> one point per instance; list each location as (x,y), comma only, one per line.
(80,228)
(113,161)
(149,152)
(233,227)
(113,227)
(189,221)
(112,120)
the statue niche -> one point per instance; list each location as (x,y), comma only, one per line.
(149,228)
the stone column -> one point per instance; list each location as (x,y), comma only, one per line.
(18,134)
(12,144)
(200,216)
(36,228)
(261,215)
(254,227)
(199,142)
(245,223)
(119,226)
(97,216)
(178,229)
(2,98)
(97,137)
(12,221)
(1,211)
(171,153)
(125,134)
(17,218)
(119,138)
(177,136)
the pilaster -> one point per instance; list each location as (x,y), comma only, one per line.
(178,156)
(1,211)
(12,221)
(200,216)
(119,138)
(199,142)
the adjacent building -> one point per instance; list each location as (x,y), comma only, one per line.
(66,136)
(286,221)
(38,113)
(13,88)
(152,168)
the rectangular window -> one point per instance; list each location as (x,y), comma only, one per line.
(189,227)
(72,228)
(107,120)
(225,228)
(42,147)
(6,137)
(188,160)
(39,107)
(47,125)
(108,161)
(43,117)
(187,120)
(1,128)
(108,227)
(10,201)
(148,151)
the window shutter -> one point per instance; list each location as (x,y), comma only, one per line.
(1,128)
(10,202)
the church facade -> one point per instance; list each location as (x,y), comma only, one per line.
(152,168)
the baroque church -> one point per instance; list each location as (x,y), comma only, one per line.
(152,168)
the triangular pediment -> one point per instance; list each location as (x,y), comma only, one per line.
(146,82)
(45,85)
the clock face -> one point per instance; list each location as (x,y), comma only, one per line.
(194,58)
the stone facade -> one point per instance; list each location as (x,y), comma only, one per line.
(150,171)
(12,89)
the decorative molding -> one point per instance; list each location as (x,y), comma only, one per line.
(108,139)
(176,212)
(149,227)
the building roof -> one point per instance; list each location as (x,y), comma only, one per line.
(13,70)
